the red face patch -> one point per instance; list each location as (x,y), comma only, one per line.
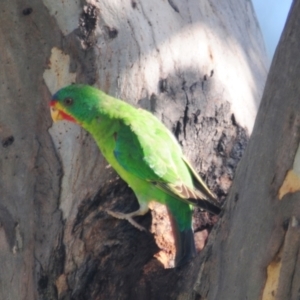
(60,114)
(52,103)
(67,117)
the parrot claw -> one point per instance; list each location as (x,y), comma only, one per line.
(127,217)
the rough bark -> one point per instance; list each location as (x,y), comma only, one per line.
(256,251)
(192,64)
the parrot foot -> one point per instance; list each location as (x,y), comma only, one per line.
(129,218)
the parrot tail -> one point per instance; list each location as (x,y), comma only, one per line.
(185,247)
(181,221)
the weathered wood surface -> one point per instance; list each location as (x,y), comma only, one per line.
(256,252)
(199,67)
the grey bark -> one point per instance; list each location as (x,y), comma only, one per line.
(256,251)
(56,241)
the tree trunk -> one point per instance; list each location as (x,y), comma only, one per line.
(198,66)
(256,251)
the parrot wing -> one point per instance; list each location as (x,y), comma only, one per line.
(144,154)
(155,156)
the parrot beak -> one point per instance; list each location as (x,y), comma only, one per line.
(58,113)
(55,114)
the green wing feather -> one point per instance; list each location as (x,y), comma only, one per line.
(147,157)
(157,158)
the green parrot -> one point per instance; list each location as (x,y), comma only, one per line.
(145,154)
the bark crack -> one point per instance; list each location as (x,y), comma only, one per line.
(186,110)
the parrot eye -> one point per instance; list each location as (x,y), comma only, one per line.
(68,101)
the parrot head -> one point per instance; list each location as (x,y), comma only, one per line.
(74,103)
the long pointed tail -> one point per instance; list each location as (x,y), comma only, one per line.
(180,214)
(185,247)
